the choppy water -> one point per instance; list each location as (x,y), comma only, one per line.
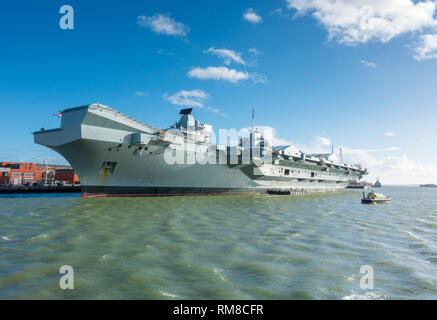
(220,247)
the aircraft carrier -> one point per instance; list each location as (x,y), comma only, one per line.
(116,155)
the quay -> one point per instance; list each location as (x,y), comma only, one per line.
(39,189)
(287,192)
(22,177)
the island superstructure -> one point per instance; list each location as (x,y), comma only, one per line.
(116,155)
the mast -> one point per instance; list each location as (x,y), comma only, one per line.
(253,124)
(47,168)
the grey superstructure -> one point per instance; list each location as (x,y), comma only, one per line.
(116,155)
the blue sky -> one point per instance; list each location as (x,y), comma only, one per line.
(310,72)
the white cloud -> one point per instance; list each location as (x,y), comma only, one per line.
(257,77)
(427,48)
(390,134)
(255,51)
(281,13)
(218,73)
(251,16)
(391,169)
(253,57)
(142,93)
(401,170)
(227,55)
(383,150)
(186,98)
(192,98)
(163,51)
(351,22)
(225,74)
(163,24)
(216,111)
(271,135)
(368,63)
(318,145)
(322,141)
(394,169)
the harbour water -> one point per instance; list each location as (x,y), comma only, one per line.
(220,247)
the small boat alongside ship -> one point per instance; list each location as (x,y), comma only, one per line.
(377,184)
(358,185)
(374,197)
(286,192)
(364,185)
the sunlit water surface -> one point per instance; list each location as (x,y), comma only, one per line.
(220,247)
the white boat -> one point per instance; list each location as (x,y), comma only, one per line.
(374,197)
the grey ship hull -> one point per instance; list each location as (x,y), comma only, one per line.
(98,142)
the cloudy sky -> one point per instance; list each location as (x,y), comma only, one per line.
(359,74)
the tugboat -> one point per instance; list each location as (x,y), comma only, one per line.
(373,197)
(377,184)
